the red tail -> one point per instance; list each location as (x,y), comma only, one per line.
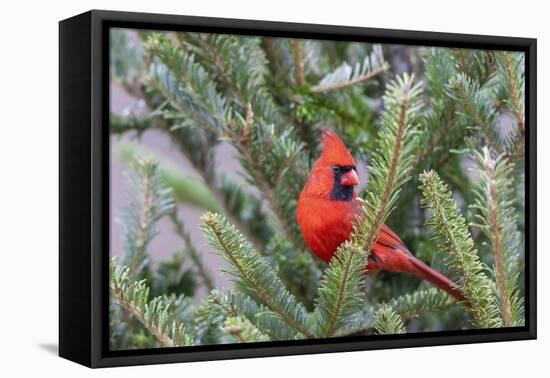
(437,279)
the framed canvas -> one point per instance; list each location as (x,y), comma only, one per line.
(235,188)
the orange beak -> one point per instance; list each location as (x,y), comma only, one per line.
(349,178)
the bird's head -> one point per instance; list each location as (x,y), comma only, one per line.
(334,175)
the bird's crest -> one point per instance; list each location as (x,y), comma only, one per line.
(334,150)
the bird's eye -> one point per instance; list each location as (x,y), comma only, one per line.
(335,169)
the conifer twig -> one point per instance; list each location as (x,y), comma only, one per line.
(234,303)
(144,219)
(243,329)
(154,315)
(150,200)
(252,269)
(495,206)
(513,84)
(339,296)
(388,322)
(209,177)
(454,239)
(393,159)
(349,83)
(346,75)
(192,252)
(243,91)
(475,106)
(412,305)
(408,306)
(496,242)
(268,191)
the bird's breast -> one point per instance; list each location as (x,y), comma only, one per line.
(325,224)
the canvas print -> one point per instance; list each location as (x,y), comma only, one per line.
(270,189)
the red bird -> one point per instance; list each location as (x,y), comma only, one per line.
(327,209)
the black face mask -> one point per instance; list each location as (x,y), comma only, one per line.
(340,192)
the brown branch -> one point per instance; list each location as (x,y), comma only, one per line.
(517,107)
(462,61)
(274,60)
(349,83)
(496,243)
(298,62)
(144,220)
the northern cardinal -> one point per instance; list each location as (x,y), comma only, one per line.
(328,207)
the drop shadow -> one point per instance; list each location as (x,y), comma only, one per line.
(51,348)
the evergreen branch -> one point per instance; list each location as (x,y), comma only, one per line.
(476,107)
(243,78)
(248,211)
(244,330)
(339,296)
(441,131)
(268,155)
(192,252)
(186,84)
(454,238)
(393,158)
(414,304)
(460,53)
(153,314)
(249,218)
(511,66)
(388,322)
(345,84)
(298,270)
(435,142)
(233,304)
(298,62)
(495,204)
(145,216)
(346,76)
(408,306)
(187,87)
(267,183)
(149,200)
(241,67)
(120,125)
(477,64)
(253,271)
(268,148)
(244,209)
(126,58)
(277,66)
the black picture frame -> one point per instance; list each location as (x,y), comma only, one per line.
(84,187)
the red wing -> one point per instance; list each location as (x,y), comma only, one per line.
(390,239)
